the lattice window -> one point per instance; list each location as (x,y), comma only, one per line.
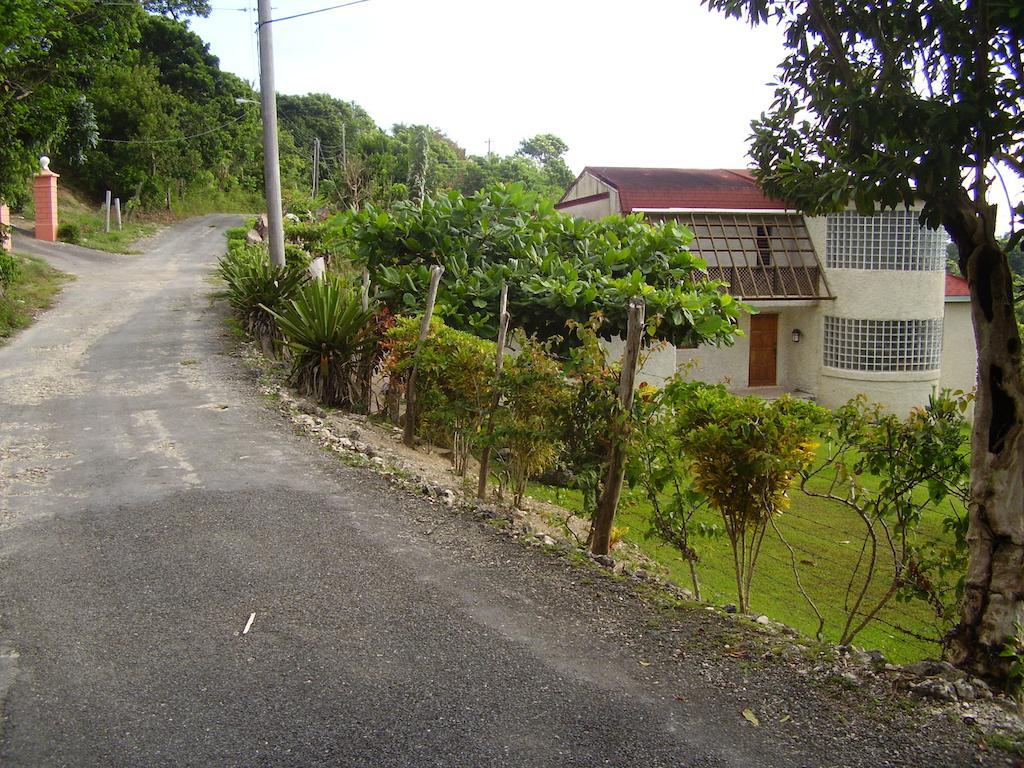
(760,255)
(883,345)
(888,240)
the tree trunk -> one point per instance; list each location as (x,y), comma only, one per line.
(994,586)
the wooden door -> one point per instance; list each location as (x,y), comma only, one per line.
(764,344)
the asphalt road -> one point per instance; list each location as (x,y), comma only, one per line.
(150,502)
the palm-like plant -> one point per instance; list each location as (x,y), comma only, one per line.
(255,286)
(329,334)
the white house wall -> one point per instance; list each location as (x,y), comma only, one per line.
(881,294)
(959,350)
(658,361)
(800,362)
(587,186)
(718,365)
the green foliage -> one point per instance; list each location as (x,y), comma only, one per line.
(329,334)
(745,454)
(69,233)
(915,464)
(857,118)
(659,467)
(10,268)
(314,237)
(1013,652)
(295,256)
(586,423)
(547,151)
(255,288)
(454,381)
(534,396)
(28,285)
(236,234)
(48,52)
(169,121)
(558,269)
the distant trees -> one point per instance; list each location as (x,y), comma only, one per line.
(125,97)
(50,54)
(156,107)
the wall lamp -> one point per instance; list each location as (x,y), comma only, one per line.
(797,335)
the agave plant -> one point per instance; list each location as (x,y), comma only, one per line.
(254,285)
(330,335)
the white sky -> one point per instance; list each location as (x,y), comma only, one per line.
(633,82)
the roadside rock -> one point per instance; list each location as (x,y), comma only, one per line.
(934,688)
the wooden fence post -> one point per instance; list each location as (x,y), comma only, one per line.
(106,213)
(499,360)
(605,515)
(409,433)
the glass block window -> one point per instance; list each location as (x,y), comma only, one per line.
(887,240)
(882,345)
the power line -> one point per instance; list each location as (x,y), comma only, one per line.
(318,10)
(179,138)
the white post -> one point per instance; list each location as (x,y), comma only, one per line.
(117,212)
(106,213)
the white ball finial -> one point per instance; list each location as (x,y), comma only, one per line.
(44,163)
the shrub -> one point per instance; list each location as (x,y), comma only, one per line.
(69,233)
(295,256)
(745,454)
(892,471)
(535,394)
(237,234)
(454,381)
(329,334)
(586,423)
(658,466)
(254,287)
(314,237)
(10,268)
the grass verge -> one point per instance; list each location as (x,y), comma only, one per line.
(31,292)
(826,539)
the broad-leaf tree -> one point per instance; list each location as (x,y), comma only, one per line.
(886,104)
(50,52)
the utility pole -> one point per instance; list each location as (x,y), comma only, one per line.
(316,165)
(344,149)
(271,159)
(488,148)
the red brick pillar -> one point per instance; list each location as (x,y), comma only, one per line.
(5,227)
(45,188)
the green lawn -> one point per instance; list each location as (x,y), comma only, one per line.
(31,292)
(826,539)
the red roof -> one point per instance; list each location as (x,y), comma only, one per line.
(956,286)
(661,188)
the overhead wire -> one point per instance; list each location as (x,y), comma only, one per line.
(310,13)
(178,138)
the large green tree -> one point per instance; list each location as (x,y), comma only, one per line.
(168,117)
(50,53)
(896,103)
